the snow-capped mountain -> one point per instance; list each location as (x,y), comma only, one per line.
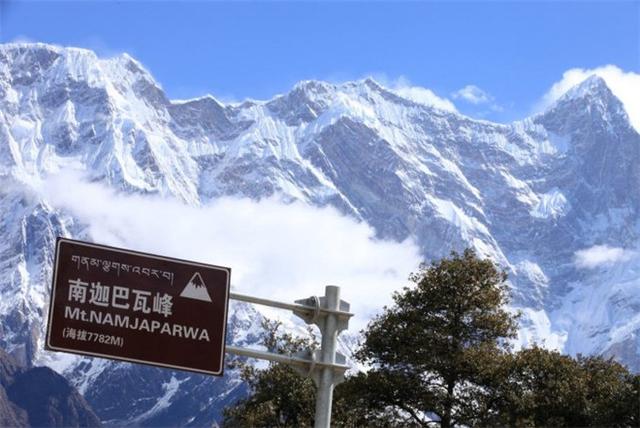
(532,195)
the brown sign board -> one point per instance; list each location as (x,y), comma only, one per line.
(142,308)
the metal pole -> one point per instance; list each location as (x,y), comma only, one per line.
(331,316)
(324,394)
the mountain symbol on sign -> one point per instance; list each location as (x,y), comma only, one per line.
(196,289)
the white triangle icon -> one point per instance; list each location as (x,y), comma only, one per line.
(196,289)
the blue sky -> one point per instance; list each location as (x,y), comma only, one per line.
(513,51)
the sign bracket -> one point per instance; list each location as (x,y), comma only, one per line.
(325,366)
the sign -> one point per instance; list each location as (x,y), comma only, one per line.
(131,306)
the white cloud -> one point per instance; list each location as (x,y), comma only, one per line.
(624,85)
(403,87)
(276,250)
(21,39)
(473,95)
(601,255)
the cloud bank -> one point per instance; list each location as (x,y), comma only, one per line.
(473,95)
(601,255)
(403,87)
(624,85)
(476,96)
(276,250)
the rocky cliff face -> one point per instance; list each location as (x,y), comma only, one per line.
(40,397)
(10,413)
(531,195)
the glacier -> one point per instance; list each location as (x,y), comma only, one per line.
(529,195)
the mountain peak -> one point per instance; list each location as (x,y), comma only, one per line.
(320,87)
(593,86)
(588,97)
(13,46)
(313,86)
(372,83)
(80,63)
(39,49)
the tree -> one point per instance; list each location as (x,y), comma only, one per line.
(433,343)
(279,397)
(538,387)
(439,356)
(611,393)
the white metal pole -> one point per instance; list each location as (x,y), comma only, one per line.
(324,394)
(331,316)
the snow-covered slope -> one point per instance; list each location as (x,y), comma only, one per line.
(530,195)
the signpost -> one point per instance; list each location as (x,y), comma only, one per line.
(331,315)
(131,306)
(126,305)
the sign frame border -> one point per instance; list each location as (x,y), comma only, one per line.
(49,347)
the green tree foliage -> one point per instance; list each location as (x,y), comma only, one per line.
(439,357)
(612,393)
(279,396)
(537,387)
(429,341)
